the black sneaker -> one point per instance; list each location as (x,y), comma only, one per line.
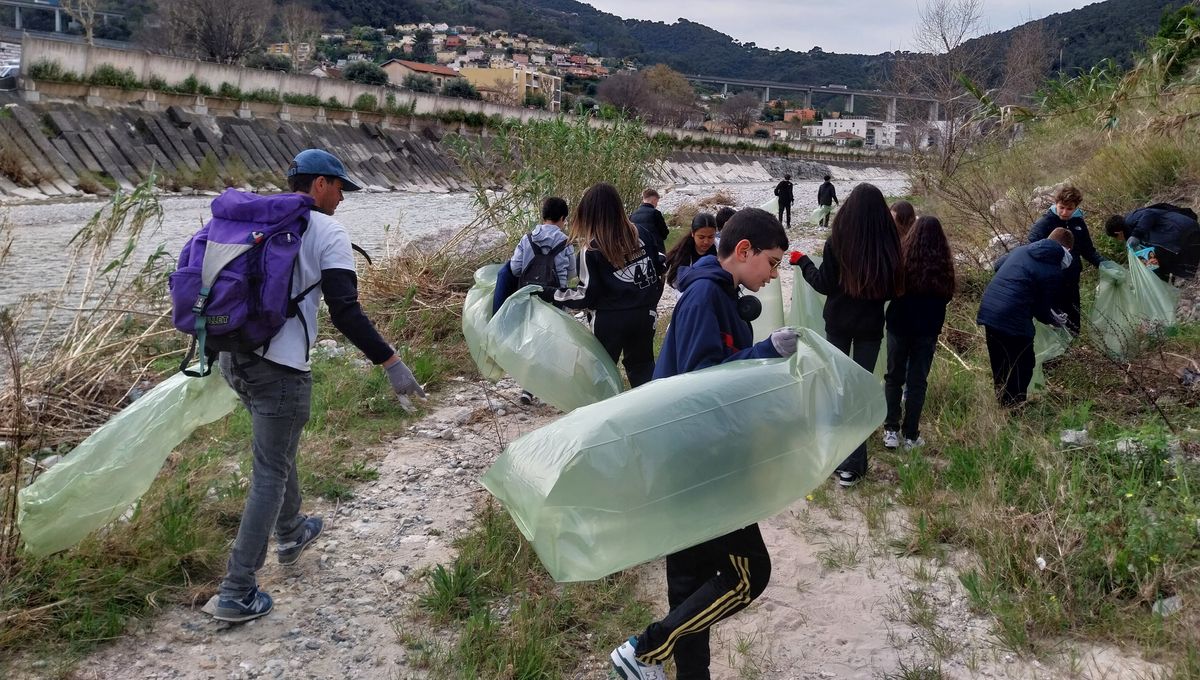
(527,397)
(290,552)
(846,478)
(256,603)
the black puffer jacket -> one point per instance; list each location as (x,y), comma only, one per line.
(1084,248)
(1022,289)
(651,221)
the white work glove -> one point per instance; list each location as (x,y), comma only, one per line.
(1060,318)
(404,383)
(784,341)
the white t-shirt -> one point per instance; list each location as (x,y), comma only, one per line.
(324,245)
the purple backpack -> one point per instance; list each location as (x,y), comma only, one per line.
(232,290)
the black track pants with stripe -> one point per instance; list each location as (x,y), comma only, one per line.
(705,584)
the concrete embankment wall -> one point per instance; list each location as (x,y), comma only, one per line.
(59,148)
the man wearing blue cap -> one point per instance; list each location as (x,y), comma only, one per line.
(275,385)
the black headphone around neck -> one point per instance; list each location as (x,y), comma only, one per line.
(749,307)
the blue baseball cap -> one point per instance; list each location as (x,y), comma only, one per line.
(321,162)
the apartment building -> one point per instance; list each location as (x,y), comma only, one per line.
(512,85)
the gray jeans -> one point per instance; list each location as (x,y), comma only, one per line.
(279,401)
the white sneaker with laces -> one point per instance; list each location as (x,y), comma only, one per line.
(891,439)
(626,665)
(914,443)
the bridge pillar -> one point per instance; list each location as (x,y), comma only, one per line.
(849,103)
(58,27)
(18,17)
(891,111)
(933,111)
(725,90)
(808,99)
(766,94)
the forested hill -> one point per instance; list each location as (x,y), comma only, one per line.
(1114,28)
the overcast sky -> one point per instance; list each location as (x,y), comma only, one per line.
(845,26)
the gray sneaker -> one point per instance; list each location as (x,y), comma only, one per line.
(914,443)
(891,439)
(290,552)
(256,603)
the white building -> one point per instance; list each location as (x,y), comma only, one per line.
(875,133)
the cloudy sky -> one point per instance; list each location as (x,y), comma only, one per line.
(846,26)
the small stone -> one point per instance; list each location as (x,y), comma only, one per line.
(312,644)
(501,412)
(1129,447)
(440,472)
(393,577)
(1075,437)
(1169,606)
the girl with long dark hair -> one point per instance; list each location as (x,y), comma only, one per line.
(905,216)
(699,241)
(861,270)
(620,278)
(914,321)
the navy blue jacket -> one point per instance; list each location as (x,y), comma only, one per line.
(705,329)
(651,221)
(1024,285)
(1084,248)
(1163,229)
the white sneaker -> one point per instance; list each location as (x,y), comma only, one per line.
(914,443)
(627,666)
(891,439)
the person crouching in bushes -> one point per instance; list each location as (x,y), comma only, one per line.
(914,321)
(1025,286)
(698,242)
(1065,214)
(1172,232)
(860,272)
(620,276)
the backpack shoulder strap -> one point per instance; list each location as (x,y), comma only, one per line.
(366,256)
(558,248)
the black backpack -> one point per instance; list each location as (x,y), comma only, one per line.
(540,269)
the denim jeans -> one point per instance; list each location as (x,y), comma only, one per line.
(909,358)
(865,353)
(279,400)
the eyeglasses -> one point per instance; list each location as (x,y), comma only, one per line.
(775,262)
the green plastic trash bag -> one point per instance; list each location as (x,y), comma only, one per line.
(1140,302)
(685,459)
(808,311)
(771,318)
(477,312)
(114,466)
(1049,343)
(820,213)
(771,206)
(549,353)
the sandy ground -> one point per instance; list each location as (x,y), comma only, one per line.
(840,603)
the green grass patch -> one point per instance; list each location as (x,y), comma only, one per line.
(497,613)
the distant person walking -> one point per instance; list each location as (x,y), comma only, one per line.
(826,197)
(784,191)
(650,220)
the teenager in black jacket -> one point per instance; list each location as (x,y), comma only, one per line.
(861,270)
(1065,213)
(620,277)
(914,321)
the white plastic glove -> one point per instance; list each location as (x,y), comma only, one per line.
(1060,318)
(1112,271)
(404,383)
(784,341)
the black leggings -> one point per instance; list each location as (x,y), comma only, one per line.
(629,332)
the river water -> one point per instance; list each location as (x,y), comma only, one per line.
(377,222)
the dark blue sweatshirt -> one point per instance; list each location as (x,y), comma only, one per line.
(705,328)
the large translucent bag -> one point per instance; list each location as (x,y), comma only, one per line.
(771,206)
(808,311)
(1122,308)
(820,213)
(682,460)
(1049,343)
(477,312)
(771,318)
(114,466)
(549,353)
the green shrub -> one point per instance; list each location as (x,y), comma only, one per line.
(452,116)
(475,119)
(302,99)
(366,102)
(269,96)
(495,121)
(157,83)
(46,69)
(229,90)
(107,75)
(333,103)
